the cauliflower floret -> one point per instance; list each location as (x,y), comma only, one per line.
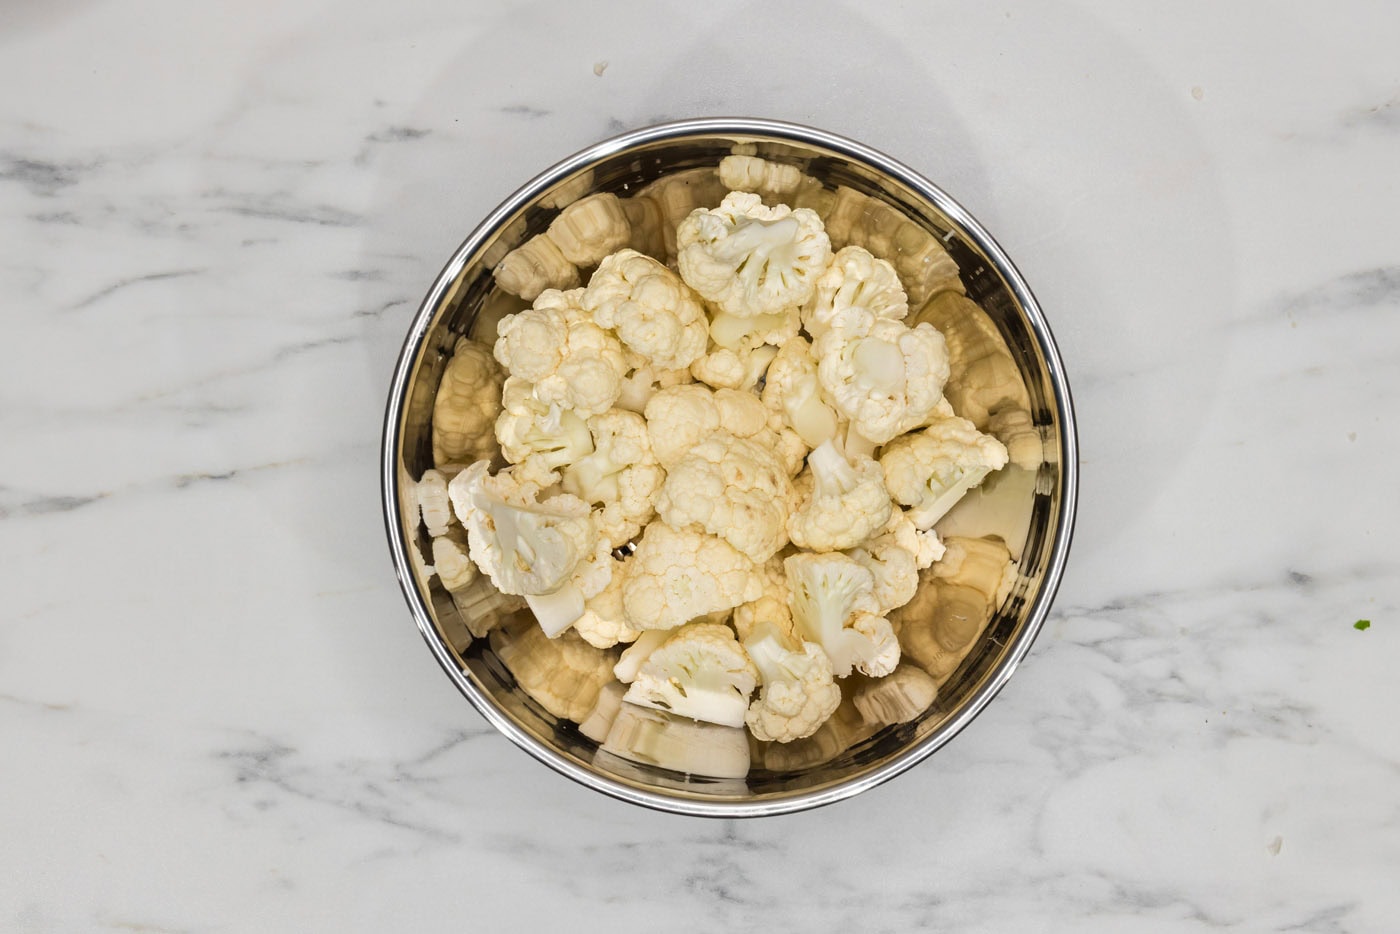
(799,688)
(733,488)
(452,562)
(680,417)
(833,605)
(620,476)
(525,547)
(603,623)
(885,377)
(654,313)
(895,569)
(533,267)
(549,437)
(792,391)
(571,361)
(563,675)
(740,349)
(644,380)
(590,228)
(676,576)
(700,672)
(930,470)
(842,503)
(771,180)
(855,277)
(770,607)
(467,403)
(750,259)
(923,544)
(722,368)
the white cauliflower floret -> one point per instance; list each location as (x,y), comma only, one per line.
(923,544)
(799,688)
(677,195)
(676,576)
(894,568)
(564,675)
(771,606)
(644,379)
(855,277)
(930,470)
(792,391)
(740,349)
(620,476)
(654,313)
(635,655)
(700,672)
(571,361)
(722,368)
(452,562)
(680,417)
(433,503)
(834,606)
(745,172)
(590,228)
(533,267)
(467,402)
(885,377)
(842,502)
(525,547)
(549,437)
(750,259)
(733,488)
(603,623)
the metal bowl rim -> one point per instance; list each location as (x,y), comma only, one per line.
(1069,467)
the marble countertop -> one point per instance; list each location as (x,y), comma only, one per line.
(216,220)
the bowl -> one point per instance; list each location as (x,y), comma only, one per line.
(883,727)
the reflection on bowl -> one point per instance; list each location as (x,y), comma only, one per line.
(976,613)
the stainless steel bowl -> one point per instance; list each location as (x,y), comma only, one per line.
(452,307)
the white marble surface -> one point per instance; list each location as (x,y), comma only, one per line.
(215,221)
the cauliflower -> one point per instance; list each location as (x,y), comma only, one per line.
(654,313)
(894,568)
(770,607)
(680,417)
(525,547)
(620,476)
(733,488)
(930,470)
(1000,507)
(467,402)
(564,675)
(799,688)
(533,267)
(647,641)
(885,377)
(923,544)
(589,229)
(855,277)
(771,180)
(571,361)
(833,605)
(644,380)
(740,349)
(793,393)
(924,266)
(723,368)
(547,437)
(603,623)
(984,378)
(841,503)
(676,576)
(700,672)
(750,259)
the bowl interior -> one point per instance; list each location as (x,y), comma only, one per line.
(465,301)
